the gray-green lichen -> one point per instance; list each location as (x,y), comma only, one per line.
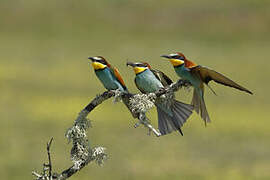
(117,95)
(99,155)
(141,103)
(81,151)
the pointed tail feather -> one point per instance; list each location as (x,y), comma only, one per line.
(199,106)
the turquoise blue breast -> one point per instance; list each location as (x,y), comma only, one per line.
(147,81)
(185,74)
(108,79)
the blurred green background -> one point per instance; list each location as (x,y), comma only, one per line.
(46,80)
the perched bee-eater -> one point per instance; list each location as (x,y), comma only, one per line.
(198,76)
(172,114)
(110,77)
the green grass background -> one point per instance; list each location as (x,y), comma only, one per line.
(45,80)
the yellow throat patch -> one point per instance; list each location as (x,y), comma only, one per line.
(138,70)
(97,65)
(176,62)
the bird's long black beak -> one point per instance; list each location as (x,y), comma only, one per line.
(130,64)
(165,56)
(91,58)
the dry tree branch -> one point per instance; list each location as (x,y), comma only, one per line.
(81,152)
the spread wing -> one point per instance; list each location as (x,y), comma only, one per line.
(163,78)
(207,75)
(118,76)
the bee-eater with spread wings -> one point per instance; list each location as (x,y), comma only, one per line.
(172,114)
(198,76)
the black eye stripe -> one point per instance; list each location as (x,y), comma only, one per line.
(138,65)
(141,65)
(178,57)
(101,61)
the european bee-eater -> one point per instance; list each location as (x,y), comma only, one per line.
(172,114)
(198,76)
(110,77)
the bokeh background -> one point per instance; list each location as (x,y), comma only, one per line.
(45,80)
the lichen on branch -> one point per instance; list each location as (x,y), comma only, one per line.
(81,152)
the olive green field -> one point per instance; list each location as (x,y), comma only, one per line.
(46,80)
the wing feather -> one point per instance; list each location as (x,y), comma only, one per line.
(163,78)
(118,76)
(207,75)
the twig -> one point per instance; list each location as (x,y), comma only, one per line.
(144,120)
(49,157)
(173,87)
(38,176)
(47,168)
